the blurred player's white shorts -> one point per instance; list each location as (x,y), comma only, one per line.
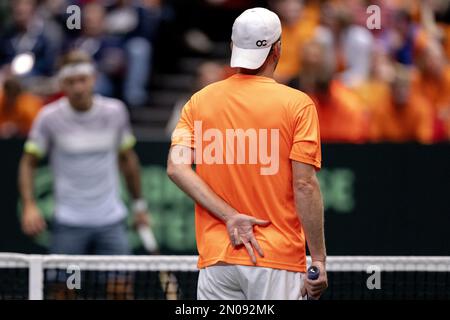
(234,282)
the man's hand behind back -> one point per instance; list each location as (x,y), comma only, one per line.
(240,230)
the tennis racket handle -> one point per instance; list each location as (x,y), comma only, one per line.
(148,238)
(313,274)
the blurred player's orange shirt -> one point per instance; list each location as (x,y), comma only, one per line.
(260,104)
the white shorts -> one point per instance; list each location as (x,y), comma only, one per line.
(235,282)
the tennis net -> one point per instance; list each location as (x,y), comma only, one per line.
(175,277)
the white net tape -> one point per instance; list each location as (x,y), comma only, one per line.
(189,263)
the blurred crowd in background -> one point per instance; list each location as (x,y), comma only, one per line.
(387,84)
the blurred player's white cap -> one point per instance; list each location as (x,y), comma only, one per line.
(254,33)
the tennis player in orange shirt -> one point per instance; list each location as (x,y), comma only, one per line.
(256,149)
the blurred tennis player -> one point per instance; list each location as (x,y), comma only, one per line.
(256,147)
(84,135)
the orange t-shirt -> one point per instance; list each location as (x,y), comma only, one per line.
(293,39)
(281,124)
(445,28)
(435,91)
(22,114)
(413,122)
(343,116)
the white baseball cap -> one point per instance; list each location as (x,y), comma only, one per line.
(254,33)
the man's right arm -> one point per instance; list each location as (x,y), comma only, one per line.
(309,204)
(32,221)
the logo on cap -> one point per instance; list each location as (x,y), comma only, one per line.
(261,43)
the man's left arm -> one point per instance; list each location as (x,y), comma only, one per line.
(129,165)
(239,226)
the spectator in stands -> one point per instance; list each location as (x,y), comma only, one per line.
(120,42)
(235,4)
(351,43)
(445,121)
(106,51)
(441,11)
(433,80)
(203,35)
(298,25)
(208,72)
(135,27)
(433,77)
(28,35)
(18,109)
(400,114)
(54,13)
(3,14)
(381,75)
(406,37)
(342,114)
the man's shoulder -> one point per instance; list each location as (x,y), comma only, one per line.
(290,91)
(213,87)
(292,97)
(53,108)
(271,93)
(209,93)
(110,105)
